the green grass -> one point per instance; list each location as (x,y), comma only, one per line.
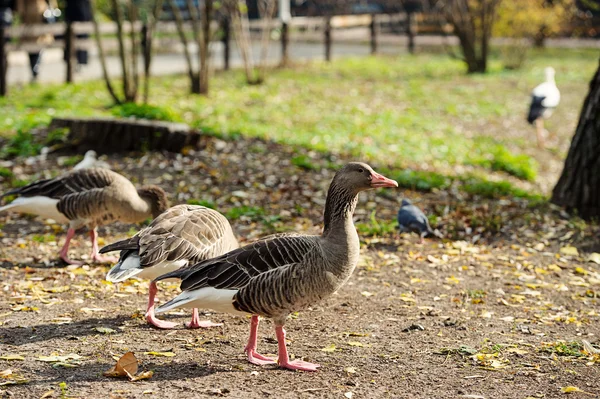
(144,111)
(206,203)
(376,227)
(419,116)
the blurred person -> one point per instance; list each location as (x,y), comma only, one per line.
(32,12)
(79,11)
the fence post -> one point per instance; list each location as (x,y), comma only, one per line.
(374,33)
(226,42)
(410,31)
(327,38)
(69,50)
(3,61)
(285,39)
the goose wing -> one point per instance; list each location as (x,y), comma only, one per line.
(74,182)
(234,269)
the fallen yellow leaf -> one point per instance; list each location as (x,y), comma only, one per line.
(329,348)
(142,376)
(568,250)
(12,357)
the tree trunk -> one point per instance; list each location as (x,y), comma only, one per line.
(578,188)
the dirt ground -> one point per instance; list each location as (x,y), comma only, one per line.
(504,307)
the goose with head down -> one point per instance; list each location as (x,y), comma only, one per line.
(181,236)
(278,275)
(88,197)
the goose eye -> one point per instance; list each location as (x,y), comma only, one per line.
(361,170)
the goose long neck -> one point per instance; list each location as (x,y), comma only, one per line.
(339,208)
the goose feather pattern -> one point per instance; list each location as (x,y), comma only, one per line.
(88,197)
(282,274)
(183,235)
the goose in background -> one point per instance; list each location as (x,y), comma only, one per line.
(90,160)
(281,274)
(88,197)
(544,98)
(181,236)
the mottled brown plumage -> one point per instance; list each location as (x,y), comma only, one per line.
(182,235)
(282,274)
(88,197)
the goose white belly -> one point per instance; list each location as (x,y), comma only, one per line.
(38,205)
(150,273)
(220,300)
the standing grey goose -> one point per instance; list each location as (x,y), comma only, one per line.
(281,274)
(88,197)
(181,236)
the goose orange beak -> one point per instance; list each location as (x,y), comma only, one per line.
(378,181)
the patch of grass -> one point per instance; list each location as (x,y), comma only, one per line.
(496,189)
(42,238)
(304,162)
(375,227)
(207,203)
(5,172)
(498,158)
(375,109)
(252,212)
(420,180)
(563,348)
(144,111)
(21,144)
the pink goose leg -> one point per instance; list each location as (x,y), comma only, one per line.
(150,316)
(284,360)
(250,349)
(64,251)
(96,257)
(197,323)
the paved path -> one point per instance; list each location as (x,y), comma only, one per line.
(349,42)
(53,68)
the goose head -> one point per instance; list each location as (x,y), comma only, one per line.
(156,199)
(358,176)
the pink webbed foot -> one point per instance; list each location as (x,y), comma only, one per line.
(197,323)
(257,358)
(299,365)
(284,359)
(65,258)
(165,325)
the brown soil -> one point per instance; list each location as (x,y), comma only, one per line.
(498,310)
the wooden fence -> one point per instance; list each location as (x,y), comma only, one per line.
(65,34)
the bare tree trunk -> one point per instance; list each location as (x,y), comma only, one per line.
(205,46)
(241,30)
(122,52)
(135,73)
(578,188)
(184,41)
(148,49)
(472,23)
(266,9)
(101,54)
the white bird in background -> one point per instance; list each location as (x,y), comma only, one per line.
(544,98)
(90,160)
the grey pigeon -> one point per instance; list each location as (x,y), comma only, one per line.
(412,219)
